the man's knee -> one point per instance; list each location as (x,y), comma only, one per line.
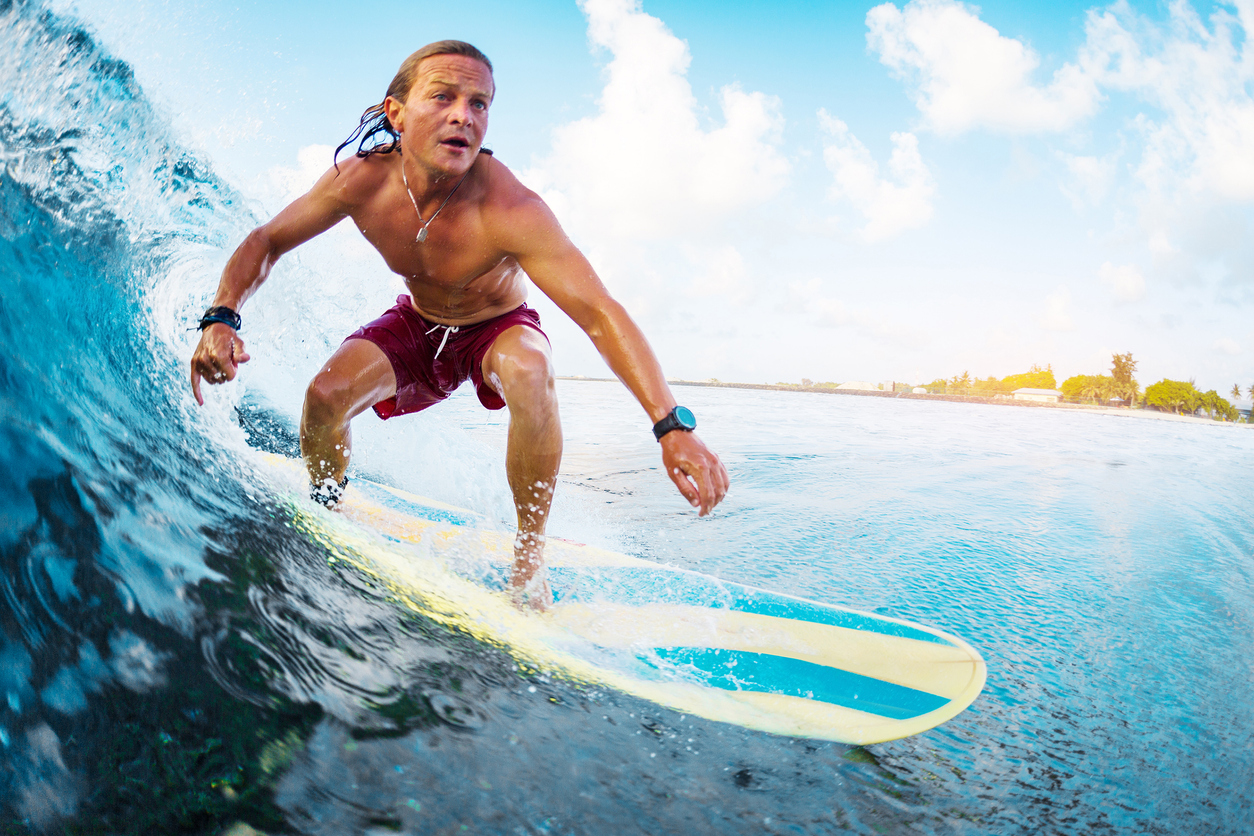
(357,376)
(524,371)
(327,397)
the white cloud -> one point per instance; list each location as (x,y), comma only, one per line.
(1192,183)
(890,206)
(828,312)
(1226,345)
(1189,150)
(1057,315)
(285,184)
(718,272)
(1091,179)
(1199,78)
(1160,245)
(965,75)
(643,166)
(1126,282)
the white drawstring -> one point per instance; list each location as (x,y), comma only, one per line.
(448,329)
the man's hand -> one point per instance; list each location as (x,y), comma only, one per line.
(217,358)
(695,470)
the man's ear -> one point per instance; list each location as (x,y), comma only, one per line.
(393,108)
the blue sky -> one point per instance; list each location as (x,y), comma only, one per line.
(837,191)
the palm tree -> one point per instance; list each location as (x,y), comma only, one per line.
(1128,392)
(1096,388)
(1236,392)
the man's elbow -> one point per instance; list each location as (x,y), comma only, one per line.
(605,319)
(261,242)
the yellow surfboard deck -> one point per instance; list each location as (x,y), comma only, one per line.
(691,642)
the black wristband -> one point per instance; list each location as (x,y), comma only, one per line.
(221,314)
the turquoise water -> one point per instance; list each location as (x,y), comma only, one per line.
(1102,564)
(175,657)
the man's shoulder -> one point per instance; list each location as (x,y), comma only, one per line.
(371,169)
(505,197)
(502,185)
(353,179)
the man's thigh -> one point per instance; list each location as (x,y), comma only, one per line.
(357,376)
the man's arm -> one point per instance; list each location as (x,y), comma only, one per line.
(557,267)
(220,351)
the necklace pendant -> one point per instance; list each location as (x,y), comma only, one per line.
(422,235)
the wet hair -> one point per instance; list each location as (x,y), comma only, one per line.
(374,134)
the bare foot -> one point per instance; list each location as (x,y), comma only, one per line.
(534,592)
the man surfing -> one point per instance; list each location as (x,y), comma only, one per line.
(465,236)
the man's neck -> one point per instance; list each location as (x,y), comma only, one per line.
(427,184)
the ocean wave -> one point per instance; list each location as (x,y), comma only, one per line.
(167,641)
(112,504)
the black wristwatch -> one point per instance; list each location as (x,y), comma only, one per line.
(679,418)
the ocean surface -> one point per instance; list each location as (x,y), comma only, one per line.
(176,658)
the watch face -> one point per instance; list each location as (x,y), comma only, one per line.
(685,418)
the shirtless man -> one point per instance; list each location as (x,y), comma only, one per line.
(465,235)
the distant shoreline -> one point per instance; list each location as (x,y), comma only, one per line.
(1124,412)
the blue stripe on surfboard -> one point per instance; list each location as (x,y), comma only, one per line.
(741,670)
(636,586)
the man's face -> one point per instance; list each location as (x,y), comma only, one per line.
(443,120)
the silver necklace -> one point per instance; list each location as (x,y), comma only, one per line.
(422,233)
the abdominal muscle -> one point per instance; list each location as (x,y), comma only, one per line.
(487,296)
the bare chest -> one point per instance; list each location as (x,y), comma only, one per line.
(454,252)
(455,272)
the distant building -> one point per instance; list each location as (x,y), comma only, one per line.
(919,390)
(1039,395)
(860,385)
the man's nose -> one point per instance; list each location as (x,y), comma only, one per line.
(459,114)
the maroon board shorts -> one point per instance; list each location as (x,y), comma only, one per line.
(411,344)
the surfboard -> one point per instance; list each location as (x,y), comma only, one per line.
(688,641)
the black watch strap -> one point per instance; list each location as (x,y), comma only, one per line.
(679,418)
(222,314)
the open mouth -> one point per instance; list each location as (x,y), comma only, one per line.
(455,142)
